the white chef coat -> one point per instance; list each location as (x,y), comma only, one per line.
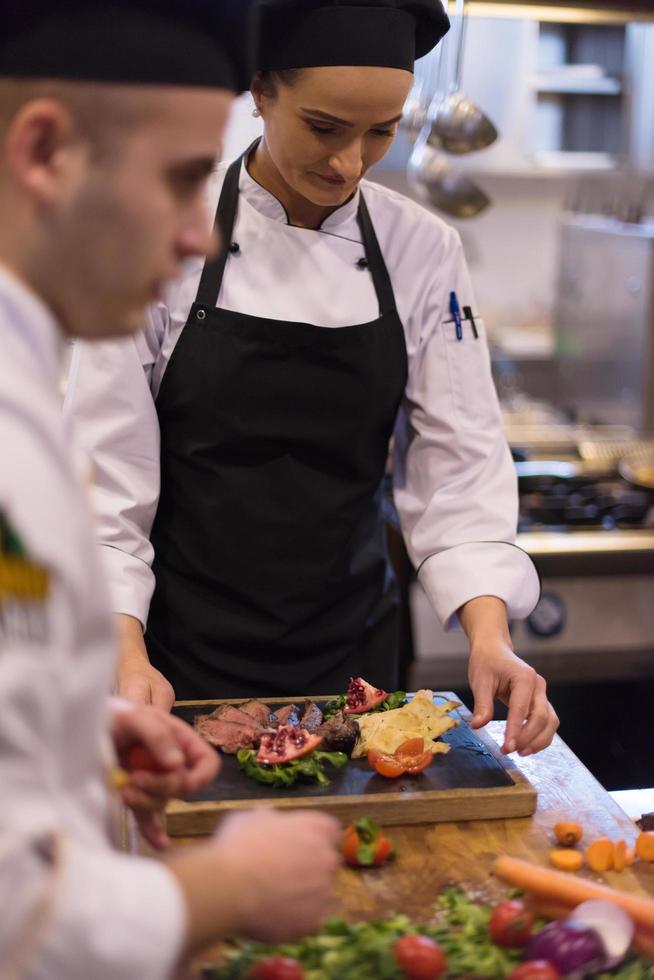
(454,482)
(73,908)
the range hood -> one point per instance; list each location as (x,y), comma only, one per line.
(573,11)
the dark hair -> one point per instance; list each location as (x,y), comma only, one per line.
(268,81)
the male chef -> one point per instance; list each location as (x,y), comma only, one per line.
(110,116)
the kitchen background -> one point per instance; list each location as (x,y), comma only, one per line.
(560,241)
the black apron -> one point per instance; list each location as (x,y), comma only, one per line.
(271,567)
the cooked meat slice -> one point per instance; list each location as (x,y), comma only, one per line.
(339,733)
(257,710)
(290,714)
(312,716)
(228,728)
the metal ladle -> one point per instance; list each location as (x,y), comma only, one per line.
(457,124)
(440,184)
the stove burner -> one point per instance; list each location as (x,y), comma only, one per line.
(582,502)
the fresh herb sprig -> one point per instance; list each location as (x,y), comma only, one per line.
(395,700)
(309,768)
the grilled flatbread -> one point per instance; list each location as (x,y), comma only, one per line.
(386,730)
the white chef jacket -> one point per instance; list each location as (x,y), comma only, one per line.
(454,482)
(73,908)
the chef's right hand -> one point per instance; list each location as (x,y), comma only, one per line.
(284,864)
(137,680)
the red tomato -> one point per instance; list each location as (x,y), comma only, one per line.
(385,765)
(511,924)
(535,970)
(350,848)
(276,968)
(420,957)
(418,763)
(412,746)
(141,758)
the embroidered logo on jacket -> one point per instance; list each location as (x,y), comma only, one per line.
(24,588)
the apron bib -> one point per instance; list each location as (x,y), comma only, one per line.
(271,568)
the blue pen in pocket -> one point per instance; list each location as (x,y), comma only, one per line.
(455,311)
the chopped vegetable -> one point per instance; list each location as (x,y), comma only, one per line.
(568,833)
(599,854)
(535,970)
(621,855)
(612,925)
(570,946)
(410,757)
(420,957)
(511,924)
(645,845)
(276,968)
(566,860)
(309,768)
(570,890)
(365,844)
(385,765)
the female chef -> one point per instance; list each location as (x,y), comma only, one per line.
(242,443)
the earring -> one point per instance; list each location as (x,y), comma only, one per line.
(256,112)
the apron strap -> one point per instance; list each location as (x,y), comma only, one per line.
(376,264)
(214,269)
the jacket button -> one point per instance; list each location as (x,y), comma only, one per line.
(201,315)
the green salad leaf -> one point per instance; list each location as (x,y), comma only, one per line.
(394,700)
(364,950)
(309,768)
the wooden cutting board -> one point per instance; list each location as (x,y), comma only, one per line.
(474,781)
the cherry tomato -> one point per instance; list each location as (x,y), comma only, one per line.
(418,763)
(382,848)
(535,970)
(420,957)
(276,968)
(412,746)
(141,758)
(385,765)
(511,924)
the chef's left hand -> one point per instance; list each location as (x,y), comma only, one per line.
(184,762)
(494,671)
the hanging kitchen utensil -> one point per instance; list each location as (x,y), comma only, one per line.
(456,124)
(440,184)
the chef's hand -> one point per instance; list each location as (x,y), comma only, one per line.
(137,680)
(494,671)
(174,762)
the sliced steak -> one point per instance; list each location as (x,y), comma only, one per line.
(228,728)
(290,714)
(312,717)
(257,710)
(339,733)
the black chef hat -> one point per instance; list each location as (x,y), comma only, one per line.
(139,42)
(316,33)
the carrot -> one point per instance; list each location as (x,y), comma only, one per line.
(645,845)
(620,855)
(599,854)
(564,889)
(568,833)
(566,860)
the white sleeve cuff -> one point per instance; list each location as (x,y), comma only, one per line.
(131,582)
(467,571)
(116,916)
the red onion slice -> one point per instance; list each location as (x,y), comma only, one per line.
(612,925)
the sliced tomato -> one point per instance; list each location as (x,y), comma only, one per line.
(420,957)
(385,765)
(412,746)
(511,924)
(418,763)
(365,844)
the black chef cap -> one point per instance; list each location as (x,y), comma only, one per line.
(378,33)
(139,42)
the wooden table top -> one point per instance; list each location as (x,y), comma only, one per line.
(431,856)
